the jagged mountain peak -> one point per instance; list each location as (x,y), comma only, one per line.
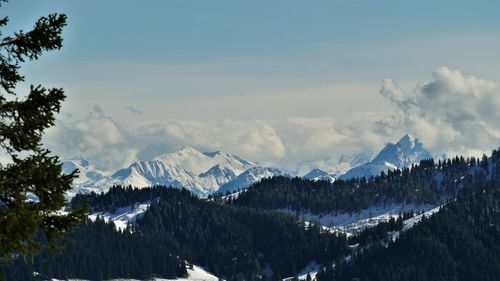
(407,151)
(248,177)
(315,173)
(197,162)
(318,174)
(408,141)
(188,149)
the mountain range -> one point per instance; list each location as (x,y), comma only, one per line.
(205,173)
(202,173)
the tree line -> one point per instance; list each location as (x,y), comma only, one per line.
(429,182)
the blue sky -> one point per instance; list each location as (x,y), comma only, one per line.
(165,61)
(316,44)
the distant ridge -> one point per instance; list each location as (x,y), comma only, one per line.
(202,173)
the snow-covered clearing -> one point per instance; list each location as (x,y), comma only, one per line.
(122,216)
(411,222)
(313,268)
(351,223)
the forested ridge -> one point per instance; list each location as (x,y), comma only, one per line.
(460,242)
(429,182)
(232,242)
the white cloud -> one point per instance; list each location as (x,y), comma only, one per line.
(453,113)
(246,137)
(285,142)
(98,137)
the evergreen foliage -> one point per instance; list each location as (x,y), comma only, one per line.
(232,242)
(426,183)
(378,232)
(460,242)
(32,185)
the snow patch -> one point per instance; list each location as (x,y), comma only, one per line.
(312,269)
(122,216)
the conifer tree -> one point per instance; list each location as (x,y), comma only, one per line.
(32,185)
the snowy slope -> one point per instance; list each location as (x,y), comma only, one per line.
(313,267)
(197,162)
(88,171)
(122,216)
(90,178)
(248,177)
(351,223)
(407,151)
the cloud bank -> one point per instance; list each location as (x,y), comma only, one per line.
(280,142)
(452,114)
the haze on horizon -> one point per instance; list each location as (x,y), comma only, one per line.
(275,82)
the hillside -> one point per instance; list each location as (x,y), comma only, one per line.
(231,242)
(461,242)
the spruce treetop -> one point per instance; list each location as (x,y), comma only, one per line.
(32,184)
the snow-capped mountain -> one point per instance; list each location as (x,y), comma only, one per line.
(203,173)
(367,170)
(248,177)
(317,175)
(407,151)
(90,178)
(87,170)
(333,165)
